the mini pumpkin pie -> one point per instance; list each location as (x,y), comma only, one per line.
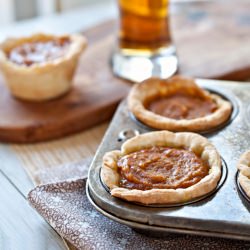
(177,104)
(40,67)
(244,174)
(162,167)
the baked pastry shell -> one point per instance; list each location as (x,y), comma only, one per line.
(41,81)
(244,172)
(191,141)
(153,87)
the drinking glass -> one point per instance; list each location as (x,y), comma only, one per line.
(144,46)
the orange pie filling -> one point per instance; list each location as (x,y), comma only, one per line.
(39,51)
(161,167)
(182,106)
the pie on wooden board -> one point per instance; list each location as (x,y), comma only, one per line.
(40,67)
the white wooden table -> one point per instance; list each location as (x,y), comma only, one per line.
(21,227)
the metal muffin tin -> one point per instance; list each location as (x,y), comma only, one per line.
(240,189)
(225,213)
(219,185)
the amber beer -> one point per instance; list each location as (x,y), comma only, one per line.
(144,27)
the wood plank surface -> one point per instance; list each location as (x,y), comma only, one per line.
(212,38)
(12,168)
(18,220)
(21,227)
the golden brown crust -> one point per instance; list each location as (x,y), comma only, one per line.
(39,82)
(150,88)
(198,144)
(244,175)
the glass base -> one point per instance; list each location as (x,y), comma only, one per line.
(139,68)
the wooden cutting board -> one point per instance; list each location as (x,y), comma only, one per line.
(93,100)
(212,40)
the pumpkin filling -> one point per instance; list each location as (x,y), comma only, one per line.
(161,167)
(39,51)
(182,106)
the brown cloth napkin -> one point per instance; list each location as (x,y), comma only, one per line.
(66,207)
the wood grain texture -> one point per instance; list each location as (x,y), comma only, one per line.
(46,156)
(11,166)
(212,39)
(20,226)
(93,100)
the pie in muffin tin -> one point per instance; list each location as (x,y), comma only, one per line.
(162,167)
(177,104)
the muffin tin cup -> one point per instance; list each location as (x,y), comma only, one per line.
(240,189)
(224,172)
(226,96)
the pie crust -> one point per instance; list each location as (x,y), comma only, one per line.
(153,87)
(244,175)
(190,141)
(41,81)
